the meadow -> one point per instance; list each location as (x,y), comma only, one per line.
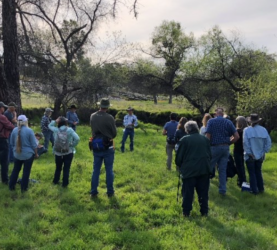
(144,213)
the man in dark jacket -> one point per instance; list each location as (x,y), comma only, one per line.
(194,160)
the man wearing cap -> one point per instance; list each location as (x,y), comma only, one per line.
(130,121)
(256,142)
(47,133)
(72,117)
(6,128)
(103,125)
(221,132)
(10,113)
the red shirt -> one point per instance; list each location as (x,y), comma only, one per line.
(6,127)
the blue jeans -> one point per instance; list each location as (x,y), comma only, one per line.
(48,136)
(41,151)
(63,162)
(128,132)
(4,159)
(26,173)
(220,156)
(108,157)
(255,175)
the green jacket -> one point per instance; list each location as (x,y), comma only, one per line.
(194,156)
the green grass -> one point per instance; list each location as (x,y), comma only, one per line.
(144,214)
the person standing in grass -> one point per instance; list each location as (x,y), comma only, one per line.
(72,117)
(256,142)
(180,132)
(6,128)
(103,132)
(130,121)
(221,132)
(24,146)
(169,130)
(193,158)
(66,140)
(241,124)
(47,133)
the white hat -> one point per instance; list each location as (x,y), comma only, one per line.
(22,118)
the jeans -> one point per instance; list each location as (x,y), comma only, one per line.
(26,173)
(240,167)
(220,155)
(48,136)
(41,151)
(201,184)
(128,132)
(62,163)
(255,175)
(108,157)
(4,159)
(169,151)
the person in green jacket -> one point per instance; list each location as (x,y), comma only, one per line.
(194,160)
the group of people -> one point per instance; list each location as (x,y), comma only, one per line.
(200,152)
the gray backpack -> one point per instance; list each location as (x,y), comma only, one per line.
(61,144)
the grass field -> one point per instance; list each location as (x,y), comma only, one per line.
(144,214)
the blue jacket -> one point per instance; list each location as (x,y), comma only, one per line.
(28,143)
(72,117)
(256,141)
(72,137)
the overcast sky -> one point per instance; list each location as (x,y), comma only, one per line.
(254,19)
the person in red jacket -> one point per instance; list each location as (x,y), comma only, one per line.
(6,128)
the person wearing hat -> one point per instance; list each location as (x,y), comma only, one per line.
(47,133)
(72,117)
(24,146)
(103,126)
(256,142)
(6,128)
(130,121)
(64,152)
(10,113)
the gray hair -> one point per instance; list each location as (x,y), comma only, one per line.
(191,127)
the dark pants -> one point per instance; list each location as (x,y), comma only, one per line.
(128,132)
(41,151)
(48,136)
(26,173)
(4,159)
(201,184)
(63,163)
(255,175)
(11,158)
(240,167)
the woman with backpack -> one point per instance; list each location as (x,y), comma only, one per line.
(65,139)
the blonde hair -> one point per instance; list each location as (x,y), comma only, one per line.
(182,122)
(18,140)
(206,117)
(241,122)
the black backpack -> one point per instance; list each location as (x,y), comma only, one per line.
(231,167)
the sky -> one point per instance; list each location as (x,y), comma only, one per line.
(255,20)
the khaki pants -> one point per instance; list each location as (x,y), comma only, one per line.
(169,152)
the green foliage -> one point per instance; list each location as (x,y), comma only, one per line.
(144,213)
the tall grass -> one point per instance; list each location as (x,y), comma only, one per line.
(144,213)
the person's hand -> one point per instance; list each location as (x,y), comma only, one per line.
(74,123)
(58,120)
(36,156)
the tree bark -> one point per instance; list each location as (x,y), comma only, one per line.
(155,99)
(3,85)
(170,99)
(11,52)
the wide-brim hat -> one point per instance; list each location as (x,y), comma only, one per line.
(129,109)
(72,107)
(3,105)
(254,118)
(104,103)
(12,104)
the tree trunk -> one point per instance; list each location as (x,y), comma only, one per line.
(155,99)
(170,99)
(3,86)
(11,52)
(57,107)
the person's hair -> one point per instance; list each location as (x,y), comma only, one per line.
(173,116)
(191,127)
(181,124)
(206,117)
(62,122)
(18,139)
(241,122)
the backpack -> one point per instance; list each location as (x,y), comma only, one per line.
(61,144)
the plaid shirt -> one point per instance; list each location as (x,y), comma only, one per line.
(45,121)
